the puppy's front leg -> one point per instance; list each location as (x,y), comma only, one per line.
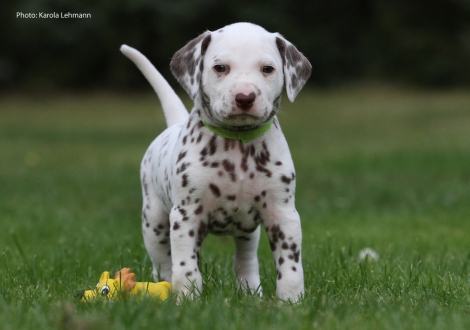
(285,238)
(186,234)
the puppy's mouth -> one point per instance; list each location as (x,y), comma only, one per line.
(242,121)
(243,117)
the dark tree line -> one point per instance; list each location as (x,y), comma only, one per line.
(420,42)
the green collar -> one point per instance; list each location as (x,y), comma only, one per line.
(244,136)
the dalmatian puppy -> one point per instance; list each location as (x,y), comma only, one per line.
(224,168)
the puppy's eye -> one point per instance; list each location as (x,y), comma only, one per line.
(220,68)
(105,290)
(268,69)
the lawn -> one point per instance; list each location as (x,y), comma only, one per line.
(381,167)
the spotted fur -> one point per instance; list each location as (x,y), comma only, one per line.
(195,182)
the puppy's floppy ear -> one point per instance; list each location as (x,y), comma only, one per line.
(187,63)
(296,67)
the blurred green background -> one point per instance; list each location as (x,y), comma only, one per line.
(419,42)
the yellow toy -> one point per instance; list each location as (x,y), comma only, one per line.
(123,285)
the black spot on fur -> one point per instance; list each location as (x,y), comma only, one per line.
(272,245)
(286,179)
(182,211)
(257,217)
(176,225)
(275,229)
(229,167)
(263,157)
(260,168)
(189,123)
(181,155)
(185,181)
(199,209)
(231,197)
(229,144)
(214,189)
(182,168)
(199,137)
(203,153)
(213,145)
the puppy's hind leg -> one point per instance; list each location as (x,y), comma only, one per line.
(246,265)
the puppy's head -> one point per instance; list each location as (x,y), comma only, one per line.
(237,73)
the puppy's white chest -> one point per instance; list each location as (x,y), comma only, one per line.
(235,208)
(227,184)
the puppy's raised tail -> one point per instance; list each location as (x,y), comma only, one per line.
(173,108)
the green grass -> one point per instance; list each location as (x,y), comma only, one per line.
(385,168)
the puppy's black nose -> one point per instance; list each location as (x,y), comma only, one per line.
(245,101)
